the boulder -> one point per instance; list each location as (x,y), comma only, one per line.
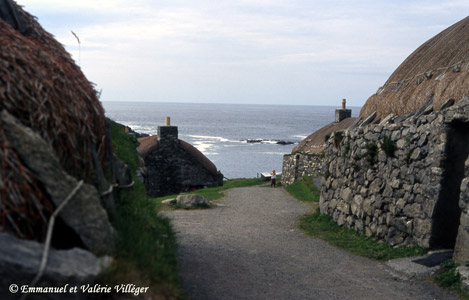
(169,201)
(461,254)
(84,212)
(20,260)
(464,273)
(192,200)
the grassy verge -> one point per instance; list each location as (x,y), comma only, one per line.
(448,277)
(146,248)
(304,190)
(215,192)
(324,227)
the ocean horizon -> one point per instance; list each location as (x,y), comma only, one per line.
(242,140)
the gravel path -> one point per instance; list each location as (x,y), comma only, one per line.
(253,249)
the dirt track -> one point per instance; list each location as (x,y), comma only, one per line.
(253,249)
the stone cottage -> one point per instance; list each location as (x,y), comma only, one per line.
(307,157)
(174,166)
(401,172)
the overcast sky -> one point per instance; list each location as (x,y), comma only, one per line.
(244,51)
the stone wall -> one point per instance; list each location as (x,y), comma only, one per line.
(461,252)
(401,180)
(297,165)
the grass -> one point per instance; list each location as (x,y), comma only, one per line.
(323,227)
(146,248)
(215,192)
(449,278)
(304,190)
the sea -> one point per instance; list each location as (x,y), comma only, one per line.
(242,140)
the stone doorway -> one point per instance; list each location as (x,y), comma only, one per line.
(447,213)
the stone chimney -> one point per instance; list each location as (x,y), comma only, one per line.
(168,134)
(343,113)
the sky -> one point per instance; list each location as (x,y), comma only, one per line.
(285,52)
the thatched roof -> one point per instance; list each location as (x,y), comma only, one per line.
(150,144)
(42,87)
(438,69)
(316,142)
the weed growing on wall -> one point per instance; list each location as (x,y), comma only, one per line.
(372,153)
(338,137)
(388,146)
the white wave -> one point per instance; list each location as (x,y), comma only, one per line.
(139,128)
(206,137)
(204,147)
(272,153)
(301,136)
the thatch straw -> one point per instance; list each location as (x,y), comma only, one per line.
(438,69)
(150,144)
(45,90)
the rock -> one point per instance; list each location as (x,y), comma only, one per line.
(20,260)
(347,195)
(424,107)
(415,154)
(464,272)
(464,196)
(253,141)
(448,103)
(402,118)
(284,143)
(356,205)
(389,119)
(413,210)
(192,200)
(394,237)
(375,187)
(83,213)
(369,119)
(461,254)
(169,201)
(422,227)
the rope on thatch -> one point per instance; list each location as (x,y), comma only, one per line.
(112,186)
(427,74)
(45,253)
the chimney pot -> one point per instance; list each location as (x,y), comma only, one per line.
(168,121)
(344,103)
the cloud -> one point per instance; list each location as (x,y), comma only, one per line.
(227,49)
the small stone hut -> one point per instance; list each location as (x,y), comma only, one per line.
(307,157)
(174,166)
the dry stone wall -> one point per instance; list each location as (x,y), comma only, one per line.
(461,250)
(404,180)
(297,165)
